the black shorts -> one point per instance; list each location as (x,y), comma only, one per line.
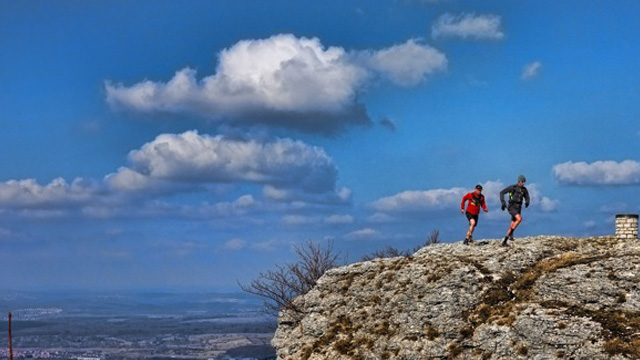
(471,216)
(514,209)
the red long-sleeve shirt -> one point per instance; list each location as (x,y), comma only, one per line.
(475,202)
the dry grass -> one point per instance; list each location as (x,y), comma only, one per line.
(339,331)
(475,263)
(353,346)
(617,346)
(523,350)
(347,281)
(619,327)
(382,328)
(523,287)
(466,331)
(431,332)
(454,349)
(499,302)
(562,325)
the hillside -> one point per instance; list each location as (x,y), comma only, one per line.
(546,297)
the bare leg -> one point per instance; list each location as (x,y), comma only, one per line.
(472,226)
(512,228)
(515,224)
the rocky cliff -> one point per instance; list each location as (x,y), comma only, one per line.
(544,298)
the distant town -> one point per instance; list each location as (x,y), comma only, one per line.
(129,325)
(95,347)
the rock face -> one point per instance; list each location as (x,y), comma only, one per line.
(543,298)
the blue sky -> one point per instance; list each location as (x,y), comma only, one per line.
(190,144)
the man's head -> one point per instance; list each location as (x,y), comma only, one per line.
(521,180)
(478,188)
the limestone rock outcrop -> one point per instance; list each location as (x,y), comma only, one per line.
(545,297)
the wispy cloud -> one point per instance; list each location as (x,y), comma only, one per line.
(598,173)
(618,207)
(388,123)
(299,220)
(468,26)
(235,244)
(531,70)
(304,220)
(590,224)
(339,219)
(364,234)
(425,2)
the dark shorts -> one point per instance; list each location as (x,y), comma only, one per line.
(471,216)
(514,209)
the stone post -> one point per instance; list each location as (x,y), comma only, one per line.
(627,226)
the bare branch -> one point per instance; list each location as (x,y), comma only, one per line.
(281,286)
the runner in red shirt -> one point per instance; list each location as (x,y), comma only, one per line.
(476,201)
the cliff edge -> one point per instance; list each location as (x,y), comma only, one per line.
(546,297)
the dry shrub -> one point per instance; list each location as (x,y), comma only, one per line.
(281,286)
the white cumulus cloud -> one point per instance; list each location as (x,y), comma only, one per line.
(293,176)
(433,199)
(282,73)
(420,200)
(531,70)
(416,201)
(548,204)
(468,26)
(598,173)
(545,203)
(282,81)
(406,64)
(193,158)
(57,194)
